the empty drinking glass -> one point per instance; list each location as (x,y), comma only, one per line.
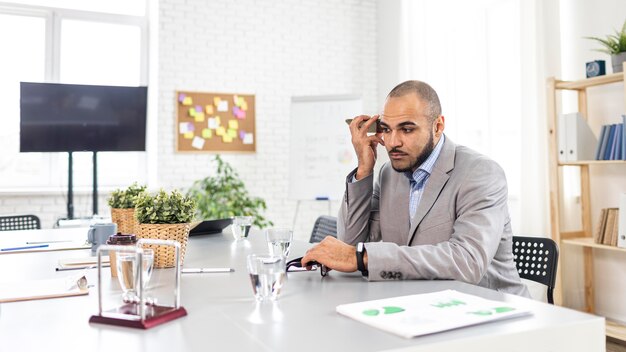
(241,226)
(127,274)
(267,275)
(279,241)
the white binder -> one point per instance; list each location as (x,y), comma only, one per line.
(580,142)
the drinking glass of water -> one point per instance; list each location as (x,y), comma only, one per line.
(279,241)
(127,272)
(267,275)
(241,226)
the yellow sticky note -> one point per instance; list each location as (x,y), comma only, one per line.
(217,120)
(192,112)
(232,133)
(216,101)
(227,139)
(220,131)
(244,106)
(187,101)
(240,101)
(188,135)
(209,109)
(199,117)
(206,133)
(234,124)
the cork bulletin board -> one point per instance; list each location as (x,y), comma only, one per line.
(215,122)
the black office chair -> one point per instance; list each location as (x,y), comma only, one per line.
(19,222)
(536,259)
(324,226)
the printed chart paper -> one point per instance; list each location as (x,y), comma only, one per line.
(416,315)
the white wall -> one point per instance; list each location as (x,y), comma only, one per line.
(273,49)
(581,18)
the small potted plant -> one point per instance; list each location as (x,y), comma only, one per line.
(122,203)
(614,45)
(224,195)
(165,216)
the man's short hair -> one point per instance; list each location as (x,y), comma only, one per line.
(424,92)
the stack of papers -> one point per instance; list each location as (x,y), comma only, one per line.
(82,263)
(42,289)
(415,315)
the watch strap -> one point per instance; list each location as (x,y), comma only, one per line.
(360,264)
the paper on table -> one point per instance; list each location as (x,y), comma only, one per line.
(84,262)
(43,289)
(415,315)
(60,246)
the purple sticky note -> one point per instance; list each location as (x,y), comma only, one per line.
(242,134)
(198,108)
(235,110)
(181,97)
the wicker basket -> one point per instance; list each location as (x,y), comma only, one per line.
(125,220)
(164,256)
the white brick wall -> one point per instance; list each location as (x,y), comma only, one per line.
(273,49)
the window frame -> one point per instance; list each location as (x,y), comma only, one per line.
(54,18)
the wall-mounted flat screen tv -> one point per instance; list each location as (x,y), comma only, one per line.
(71,117)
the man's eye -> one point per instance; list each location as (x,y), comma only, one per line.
(385,130)
(407,130)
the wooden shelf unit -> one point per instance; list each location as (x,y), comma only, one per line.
(583,237)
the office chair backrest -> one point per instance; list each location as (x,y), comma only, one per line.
(324,226)
(19,222)
(536,259)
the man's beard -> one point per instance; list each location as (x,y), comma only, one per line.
(428,149)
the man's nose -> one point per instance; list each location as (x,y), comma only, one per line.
(392,140)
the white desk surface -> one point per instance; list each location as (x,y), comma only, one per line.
(223,315)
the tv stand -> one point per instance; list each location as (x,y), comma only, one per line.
(70,185)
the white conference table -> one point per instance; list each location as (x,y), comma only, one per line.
(223,315)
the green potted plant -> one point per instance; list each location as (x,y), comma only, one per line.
(614,45)
(224,195)
(122,203)
(165,216)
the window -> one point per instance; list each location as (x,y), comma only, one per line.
(68,46)
(471,56)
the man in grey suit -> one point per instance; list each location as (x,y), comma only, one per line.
(437,210)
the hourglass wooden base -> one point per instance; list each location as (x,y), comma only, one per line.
(127,315)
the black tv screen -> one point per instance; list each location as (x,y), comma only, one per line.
(70,117)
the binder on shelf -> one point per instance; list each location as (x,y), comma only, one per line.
(603,134)
(609,143)
(623,137)
(562,139)
(580,142)
(621,227)
(605,140)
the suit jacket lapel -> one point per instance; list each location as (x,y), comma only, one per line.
(436,181)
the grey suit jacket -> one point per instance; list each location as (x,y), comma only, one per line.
(461,228)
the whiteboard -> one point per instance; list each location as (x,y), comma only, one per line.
(321,153)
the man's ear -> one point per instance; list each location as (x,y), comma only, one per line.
(439,125)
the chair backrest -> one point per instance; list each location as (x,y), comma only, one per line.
(324,226)
(19,222)
(536,259)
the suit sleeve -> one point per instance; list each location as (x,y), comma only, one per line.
(481,213)
(358,219)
